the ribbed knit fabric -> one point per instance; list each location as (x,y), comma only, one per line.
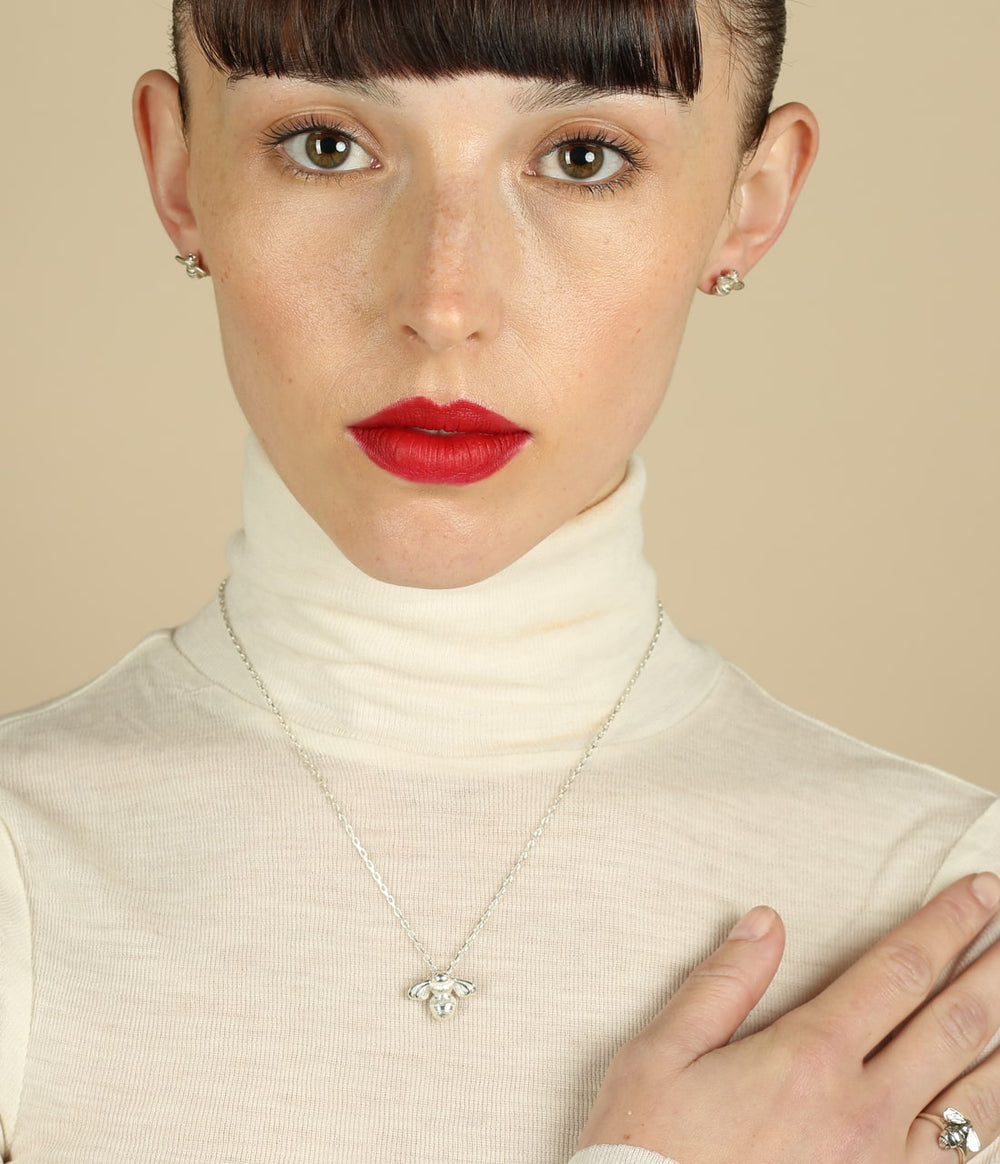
(616,1154)
(531,660)
(196,967)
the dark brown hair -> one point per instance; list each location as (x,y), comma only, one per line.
(649,46)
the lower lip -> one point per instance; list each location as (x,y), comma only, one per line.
(460,458)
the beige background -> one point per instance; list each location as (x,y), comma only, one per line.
(824,478)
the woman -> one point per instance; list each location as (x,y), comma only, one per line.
(439,617)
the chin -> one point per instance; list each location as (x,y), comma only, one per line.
(449,538)
(445,571)
(436,539)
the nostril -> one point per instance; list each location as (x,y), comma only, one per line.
(437,340)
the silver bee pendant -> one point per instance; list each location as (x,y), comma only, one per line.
(440,993)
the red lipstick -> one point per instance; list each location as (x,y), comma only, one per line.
(439,444)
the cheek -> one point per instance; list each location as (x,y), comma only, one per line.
(635,318)
(653,263)
(293,298)
(627,318)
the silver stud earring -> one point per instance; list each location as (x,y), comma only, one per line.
(194,269)
(728,282)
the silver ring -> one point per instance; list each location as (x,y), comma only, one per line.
(956,1132)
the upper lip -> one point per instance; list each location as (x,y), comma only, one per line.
(457,416)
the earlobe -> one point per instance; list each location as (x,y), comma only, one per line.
(765,193)
(160,130)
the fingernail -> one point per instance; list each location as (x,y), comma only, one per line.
(756,924)
(986,889)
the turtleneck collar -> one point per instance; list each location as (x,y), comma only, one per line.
(530,659)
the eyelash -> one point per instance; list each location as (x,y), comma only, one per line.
(275,138)
(635,157)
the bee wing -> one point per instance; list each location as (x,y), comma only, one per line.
(421,992)
(462,988)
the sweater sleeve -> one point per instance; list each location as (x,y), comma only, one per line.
(977,851)
(619,1154)
(15,985)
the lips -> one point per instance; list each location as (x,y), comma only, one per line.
(441,444)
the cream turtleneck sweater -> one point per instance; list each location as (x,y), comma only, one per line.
(195,966)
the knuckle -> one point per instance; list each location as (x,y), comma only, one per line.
(907,968)
(824,1030)
(718,980)
(814,1050)
(964,1023)
(960,915)
(719,971)
(683,1042)
(981,1104)
(821,1057)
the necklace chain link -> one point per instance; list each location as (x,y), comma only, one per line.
(310,766)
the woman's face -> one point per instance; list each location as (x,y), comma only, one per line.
(453,240)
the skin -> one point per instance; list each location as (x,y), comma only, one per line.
(809,1083)
(463,266)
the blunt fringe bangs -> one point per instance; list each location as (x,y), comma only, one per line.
(609,44)
(646,46)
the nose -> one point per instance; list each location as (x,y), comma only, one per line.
(450,255)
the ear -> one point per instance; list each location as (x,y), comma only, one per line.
(156,109)
(765,193)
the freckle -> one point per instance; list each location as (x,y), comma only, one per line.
(628,1137)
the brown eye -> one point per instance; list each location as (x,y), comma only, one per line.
(329,151)
(587,162)
(325,151)
(582,161)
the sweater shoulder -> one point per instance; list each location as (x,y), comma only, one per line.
(788,791)
(134,703)
(783,745)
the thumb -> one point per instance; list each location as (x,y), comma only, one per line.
(719,993)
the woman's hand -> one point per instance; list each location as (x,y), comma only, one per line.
(808,1086)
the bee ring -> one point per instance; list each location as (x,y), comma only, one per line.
(956,1132)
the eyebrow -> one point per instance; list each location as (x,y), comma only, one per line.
(539,96)
(543,95)
(373,90)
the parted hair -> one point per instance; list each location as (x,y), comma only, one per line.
(648,46)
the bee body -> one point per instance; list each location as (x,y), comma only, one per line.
(441,993)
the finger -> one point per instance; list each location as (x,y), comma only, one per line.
(945,1036)
(883,988)
(923,1144)
(719,993)
(977,1097)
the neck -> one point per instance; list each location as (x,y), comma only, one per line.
(533,658)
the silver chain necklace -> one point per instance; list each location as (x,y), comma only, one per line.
(442,989)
